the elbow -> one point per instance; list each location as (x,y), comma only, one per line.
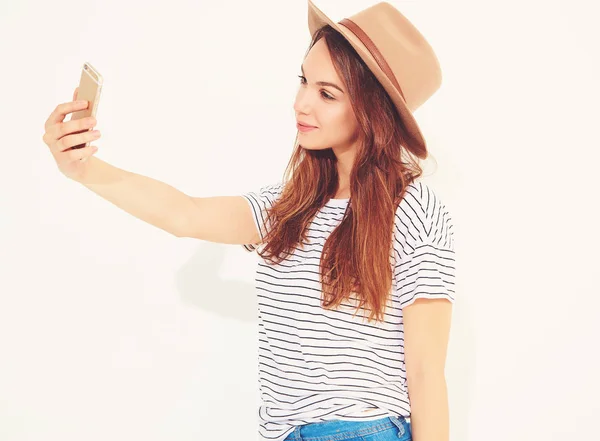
(179,228)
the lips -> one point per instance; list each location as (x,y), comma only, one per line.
(305,129)
(306,125)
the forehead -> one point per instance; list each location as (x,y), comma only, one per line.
(318,63)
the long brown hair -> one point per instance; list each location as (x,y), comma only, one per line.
(356,255)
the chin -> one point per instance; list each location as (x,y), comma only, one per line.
(308,146)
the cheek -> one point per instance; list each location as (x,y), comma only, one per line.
(341,124)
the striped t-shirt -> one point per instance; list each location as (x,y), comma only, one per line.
(316,364)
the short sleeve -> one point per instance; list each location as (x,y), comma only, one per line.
(424,248)
(259,202)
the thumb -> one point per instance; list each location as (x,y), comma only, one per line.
(75,93)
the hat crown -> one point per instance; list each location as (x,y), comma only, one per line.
(408,54)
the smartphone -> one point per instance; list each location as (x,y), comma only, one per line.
(90,86)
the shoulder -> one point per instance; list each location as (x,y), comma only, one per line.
(273,189)
(266,194)
(422,217)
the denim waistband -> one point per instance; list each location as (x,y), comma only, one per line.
(340,430)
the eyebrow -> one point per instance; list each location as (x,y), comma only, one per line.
(323,83)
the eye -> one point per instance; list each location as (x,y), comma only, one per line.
(323,94)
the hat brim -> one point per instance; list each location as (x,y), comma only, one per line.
(417,144)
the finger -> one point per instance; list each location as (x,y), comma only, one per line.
(66,142)
(75,93)
(62,110)
(74,126)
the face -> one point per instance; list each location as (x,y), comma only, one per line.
(323,101)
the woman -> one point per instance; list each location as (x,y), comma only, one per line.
(350,229)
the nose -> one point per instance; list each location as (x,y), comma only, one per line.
(302,103)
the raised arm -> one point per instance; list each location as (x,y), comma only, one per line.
(224,219)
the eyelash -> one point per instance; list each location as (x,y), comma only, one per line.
(323,94)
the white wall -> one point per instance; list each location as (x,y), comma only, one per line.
(112,329)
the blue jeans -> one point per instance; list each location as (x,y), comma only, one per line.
(384,429)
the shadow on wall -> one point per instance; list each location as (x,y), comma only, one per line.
(200,285)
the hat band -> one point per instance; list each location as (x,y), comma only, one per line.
(364,39)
